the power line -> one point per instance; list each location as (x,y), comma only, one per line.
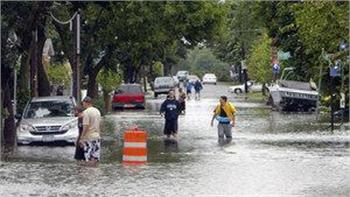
(63,22)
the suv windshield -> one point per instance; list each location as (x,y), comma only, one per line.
(130,89)
(209,75)
(163,80)
(181,73)
(44,109)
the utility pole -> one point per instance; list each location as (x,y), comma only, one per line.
(75,92)
(245,76)
(144,77)
(333,94)
(34,65)
(334,73)
(76,66)
(15,91)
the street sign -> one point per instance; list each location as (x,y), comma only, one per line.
(335,71)
(243,65)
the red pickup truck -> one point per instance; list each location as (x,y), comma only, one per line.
(129,96)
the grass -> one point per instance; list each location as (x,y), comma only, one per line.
(252,96)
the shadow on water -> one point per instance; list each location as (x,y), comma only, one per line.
(171,145)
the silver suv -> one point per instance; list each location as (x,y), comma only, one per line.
(162,85)
(182,75)
(48,119)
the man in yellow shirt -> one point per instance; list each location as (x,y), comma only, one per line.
(224,113)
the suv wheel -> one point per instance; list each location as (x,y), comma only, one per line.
(238,91)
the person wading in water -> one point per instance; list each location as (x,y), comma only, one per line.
(224,113)
(170,109)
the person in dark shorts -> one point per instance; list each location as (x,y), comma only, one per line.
(182,100)
(79,151)
(189,90)
(198,87)
(170,109)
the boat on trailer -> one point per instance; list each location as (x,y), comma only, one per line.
(292,95)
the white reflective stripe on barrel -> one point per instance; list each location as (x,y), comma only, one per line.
(134,158)
(135,145)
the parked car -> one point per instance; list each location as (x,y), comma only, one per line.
(209,78)
(162,85)
(192,78)
(182,75)
(129,96)
(252,87)
(48,119)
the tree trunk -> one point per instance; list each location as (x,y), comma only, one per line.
(9,131)
(167,68)
(24,72)
(92,90)
(107,100)
(264,89)
(43,79)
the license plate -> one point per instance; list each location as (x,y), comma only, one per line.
(48,138)
(128,105)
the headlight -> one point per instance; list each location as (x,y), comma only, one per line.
(70,125)
(26,128)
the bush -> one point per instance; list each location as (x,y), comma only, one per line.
(259,61)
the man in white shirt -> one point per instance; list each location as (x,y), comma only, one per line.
(90,138)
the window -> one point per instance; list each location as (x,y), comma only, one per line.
(44,109)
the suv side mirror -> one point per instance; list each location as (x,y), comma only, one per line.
(18,116)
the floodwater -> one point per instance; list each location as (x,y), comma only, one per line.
(272,154)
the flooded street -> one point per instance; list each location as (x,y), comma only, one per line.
(272,154)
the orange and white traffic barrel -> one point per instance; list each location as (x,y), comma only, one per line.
(135,147)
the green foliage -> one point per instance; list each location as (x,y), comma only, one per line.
(137,33)
(259,60)
(242,29)
(202,60)
(158,69)
(109,80)
(329,26)
(59,74)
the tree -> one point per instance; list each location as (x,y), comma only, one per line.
(259,60)
(109,81)
(19,20)
(329,28)
(137,33)
(243,27)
